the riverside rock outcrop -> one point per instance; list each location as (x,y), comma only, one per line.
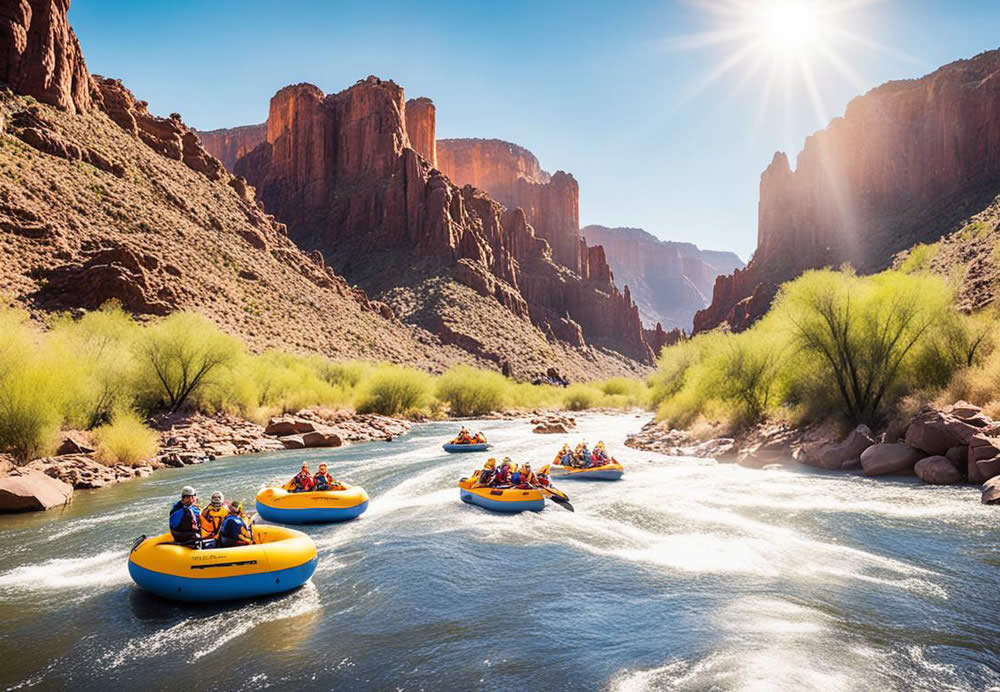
(906,163)
(670,281)
(341,171)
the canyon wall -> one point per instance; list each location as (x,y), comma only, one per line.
(342,172)
(512,175)
(230,145)
(421,128)
(670,281)
(907,162)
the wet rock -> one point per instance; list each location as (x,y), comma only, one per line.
(882,459)
(981,449)
(293,442)
(851,465)
(833,456)
(288,425)
(937,470)
(991,491)
(322,438)
(30,491)
(936,431)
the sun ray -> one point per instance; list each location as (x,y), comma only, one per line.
(725,67)
(875,46)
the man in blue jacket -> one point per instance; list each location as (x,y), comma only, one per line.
(185,519)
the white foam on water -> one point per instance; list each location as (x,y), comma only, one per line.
(105,569)
(196,638)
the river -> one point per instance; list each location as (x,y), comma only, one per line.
(685,575)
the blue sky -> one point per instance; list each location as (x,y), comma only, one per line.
(608,91)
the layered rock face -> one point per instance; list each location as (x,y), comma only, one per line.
(341,171)
(40,56)
(230,145)
(670,281)
(907,162)
(512,175)
(421,128)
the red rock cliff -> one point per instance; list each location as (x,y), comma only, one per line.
(421,128)
(513,176)
(231,144)
(40,56)
(905,163)
(340,171)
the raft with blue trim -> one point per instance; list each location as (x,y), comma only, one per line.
(280,560)
(312,507)
(502,499)
(452,447)
(606,472)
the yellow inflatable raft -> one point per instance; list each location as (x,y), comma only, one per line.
(313,507)
(606,472)
(281,559)
(502,500)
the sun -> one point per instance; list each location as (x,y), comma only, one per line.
(788,27)
(778,45)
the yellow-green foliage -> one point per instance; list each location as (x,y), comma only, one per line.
(579,397)
(522,395)
(125,440)
(471,392)
(919,257)
(178,356)
(394,390)
(833,342)
(30,394)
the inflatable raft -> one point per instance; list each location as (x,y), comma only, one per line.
(502,500)
(313,507)
(607,472)
(452,447)
(281,560)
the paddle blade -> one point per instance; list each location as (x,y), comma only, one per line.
(565,504)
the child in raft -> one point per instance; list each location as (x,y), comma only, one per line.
(301,482)
(323,480)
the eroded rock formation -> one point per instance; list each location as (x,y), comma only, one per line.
(512,175)
(670,281)
(421,128)
(341,171)
(229,145)
(907,162)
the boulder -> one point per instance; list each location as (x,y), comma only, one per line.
(988,468)
(75,442)
(958,455)
(293,442)
(936,431)
(321,438)
(550,428)
(851,465)
(981,448)
(885,458)
(833,456)
(991,491)
(937,470)
(31,491)
(280,426)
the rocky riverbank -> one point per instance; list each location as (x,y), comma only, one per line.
(941,446)
(185,439)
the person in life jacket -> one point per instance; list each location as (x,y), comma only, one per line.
(485,478)
(301,482)
(503,473)
(463,437)
(185,519)
(235,529)
(600,455)
(543,477)
(479,439)
(324,480)
(584,454)
(564,456)
(527,477)
(212,516)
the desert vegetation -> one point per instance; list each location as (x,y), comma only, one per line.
(834,346)
(107,373)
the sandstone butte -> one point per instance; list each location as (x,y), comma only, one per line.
(352,175)
(908,161)
(100,200)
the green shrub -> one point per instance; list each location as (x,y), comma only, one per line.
(125,440)
(580,397)
(178,356)
(394,390)
(919,256)
(471,392)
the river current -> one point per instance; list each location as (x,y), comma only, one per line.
(686,575)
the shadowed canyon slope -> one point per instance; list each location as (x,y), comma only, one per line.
(669,281)
(907,163)
(101,200)
(351,175)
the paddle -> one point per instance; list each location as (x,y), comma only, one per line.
(559,497)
